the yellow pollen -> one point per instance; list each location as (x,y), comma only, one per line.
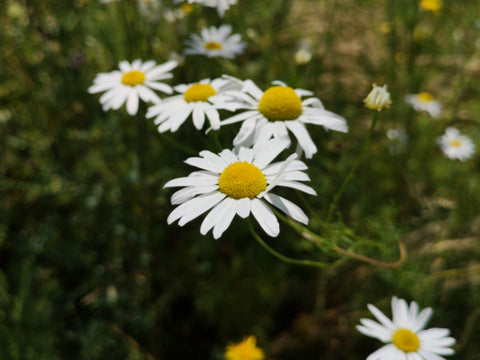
(212,45)
(280,103)
(425,97)
(406,340)
(132,78)
(455,143)
(242,179)
(199,92)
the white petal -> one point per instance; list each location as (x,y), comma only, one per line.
(193,181)
(245,132)
(265,218)
(213,217)
(384,353)
(204,202)
(268,151)
(287,207)
(198,117)
(225,218)
(182,195)
(422,319)
(299,186)
(206,164)
(381,317)
(303,138)
(243,207)
(132,102)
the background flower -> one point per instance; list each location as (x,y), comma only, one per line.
(131,82)
(215,42)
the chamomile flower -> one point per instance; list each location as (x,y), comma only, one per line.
(240,183)
(378,98)
(197,100)
(244,350)
(404,335)
(220,5)
(455,145)
(131,82)
(425,101)
(278,110)
(215,42)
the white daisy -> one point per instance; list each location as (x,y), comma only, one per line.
(378,98)
(455,145)
(404,335)
(215,42)
(221,5)
(196,99)
(278,110)
(240,183)
(425,101)
(131,82)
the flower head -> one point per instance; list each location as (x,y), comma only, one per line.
(277,110)
(455,145)
(240,183)
(431,5)
(196,99)
(404,335)
(425,101)
(220,5)
(378,98)
(131,82)
(215,42)
(245,350)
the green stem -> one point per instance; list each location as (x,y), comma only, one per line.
(350,174)
(283,257)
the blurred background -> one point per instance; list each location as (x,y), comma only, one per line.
(89,268)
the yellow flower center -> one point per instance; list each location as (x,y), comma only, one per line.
(431,5)
(212,45)
(406,340)
(280,103)
(425,97)
(134,77)
(199,92)
(455,143)
(246,350)
(242,179)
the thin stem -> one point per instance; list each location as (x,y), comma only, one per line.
(307,234)
(216,140)
(350,174)
(168,138)
(283,257)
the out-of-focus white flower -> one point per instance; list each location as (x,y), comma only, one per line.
(398,140)
(425,101)
(276,111)
(378,98)
(303,55)
(132,82)
(455,145)
(239,183)
(215,42)
(404,335)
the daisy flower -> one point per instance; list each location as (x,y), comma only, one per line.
(279,109)
(221,5)
(425,101)
(378,98)
(215,42)
(245,350)
(131,82)
(404,335)
(455,145)
(238,183)
(197,100)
